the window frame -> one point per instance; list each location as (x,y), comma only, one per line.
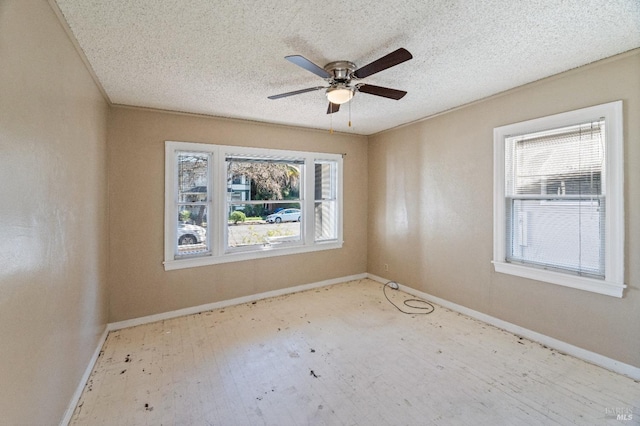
(613,188)
(217,223)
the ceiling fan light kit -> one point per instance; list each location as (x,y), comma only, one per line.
(339,76)
(339,94)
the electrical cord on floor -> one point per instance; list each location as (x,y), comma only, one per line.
(424,306)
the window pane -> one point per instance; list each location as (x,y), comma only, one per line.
(191,223)
(325,217)
(325,184)
(282,226)
(192,177)
(563,234)
(265,188)
(325,201)
(192,230)
(565,161)
(253,179)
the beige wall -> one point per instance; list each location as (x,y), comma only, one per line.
(53,222)
(138,282)
(431,201)
(424,190)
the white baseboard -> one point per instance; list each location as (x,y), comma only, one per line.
(83,381)
(559,345)
(224,303)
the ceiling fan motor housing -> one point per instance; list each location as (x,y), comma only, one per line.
(340,92)
(341,71)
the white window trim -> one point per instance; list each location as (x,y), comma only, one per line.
(216,229)
(613,283)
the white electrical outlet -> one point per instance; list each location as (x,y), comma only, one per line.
(386,267)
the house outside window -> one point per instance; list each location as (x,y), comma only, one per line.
(226,204)
(239,188)
(558,199)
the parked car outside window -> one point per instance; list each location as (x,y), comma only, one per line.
(286,215)
(191,234)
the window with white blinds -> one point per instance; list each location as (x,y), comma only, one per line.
(554,199)
(558,202)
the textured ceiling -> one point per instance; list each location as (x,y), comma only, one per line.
(223,58)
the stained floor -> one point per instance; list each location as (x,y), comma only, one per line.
(343,355)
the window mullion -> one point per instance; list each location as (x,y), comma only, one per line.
(172,206)
(309,202)
(220,201)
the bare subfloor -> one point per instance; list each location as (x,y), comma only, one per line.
(342,355)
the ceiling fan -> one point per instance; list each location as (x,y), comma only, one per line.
(341,74)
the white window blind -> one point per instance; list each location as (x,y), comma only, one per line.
(555,203)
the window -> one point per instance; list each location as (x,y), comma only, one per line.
(326,200)
(226,204)
(558,199)
(193,202)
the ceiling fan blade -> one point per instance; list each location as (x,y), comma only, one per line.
(303,62)
(333,108)
(296,92)
(392,59)
(381,91)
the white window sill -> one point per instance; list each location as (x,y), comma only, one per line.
(582,283)
(266,252)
